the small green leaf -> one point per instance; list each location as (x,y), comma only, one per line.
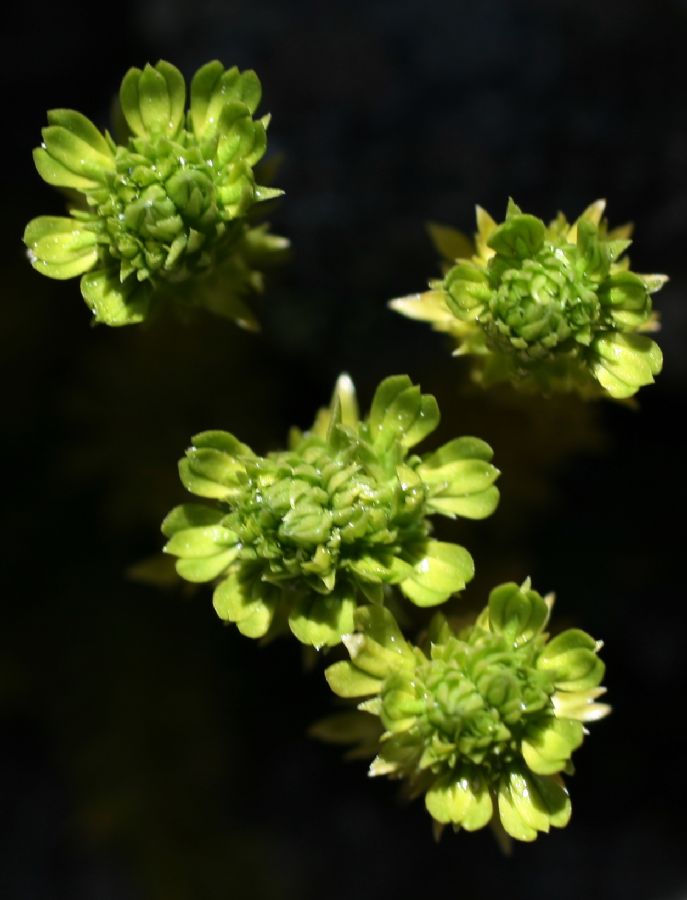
(78,155)
(520,236)
(247,601)
(518,613)
(322,619)
(572,657)
(444,570)
(200,542)
(190,515)
(348,681)
(548,747)
(60,247)
(112,302)
(461,800)
(222,441)
(207,568)
(625,362)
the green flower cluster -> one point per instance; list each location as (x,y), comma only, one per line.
(546,307)
(164,215)
(485,721)
(302,536)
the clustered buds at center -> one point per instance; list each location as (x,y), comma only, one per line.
(165,213)
(307,534)
(546,307)
(484,722)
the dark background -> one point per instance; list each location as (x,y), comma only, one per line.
(148,753)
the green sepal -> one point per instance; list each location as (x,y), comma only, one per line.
(628,296)
(444,570)
(223,441)
(379,624)
(60,247)
(190,515)
(571,657)
(625,362)
(199,485)
(206,568)
(400,412)
(517,612)
(153,99)
(112,302)
(461,798)
(216,466)
(461,479)
(247,601)
(321,620)
(466,289)
(375,659)
(547,748)
(75,145)
(348,681)
(200,542)
(528,803)
(520,236)
(212,87)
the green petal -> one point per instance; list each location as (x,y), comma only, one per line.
(377,623)
(322,619)
(625,362)
(222,441)
(348,681)
(212,87)
(517,612)
(75,144)
(207,569)
(444,570)
(467,289)
(376,660)
(200,486)
(215,465)
(520,236)
(112,302)
(247,601)
(200,542)
(530,803)
(190,515)
(57,174)
(400,411)
(460,800)
(153,99)
(83,129)
(548,748)
(60,247)
(572,658)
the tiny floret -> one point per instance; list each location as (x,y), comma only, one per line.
(165,214)
(301,537)
(545,307)
(484,721)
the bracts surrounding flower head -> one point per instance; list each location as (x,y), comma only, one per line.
(303,536)
(545,307)
(165,215)
(484,721)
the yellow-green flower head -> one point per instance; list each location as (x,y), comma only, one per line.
(547,307)
(167,206)
(485,721)
(306,534)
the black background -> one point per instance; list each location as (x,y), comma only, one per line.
(148,753)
